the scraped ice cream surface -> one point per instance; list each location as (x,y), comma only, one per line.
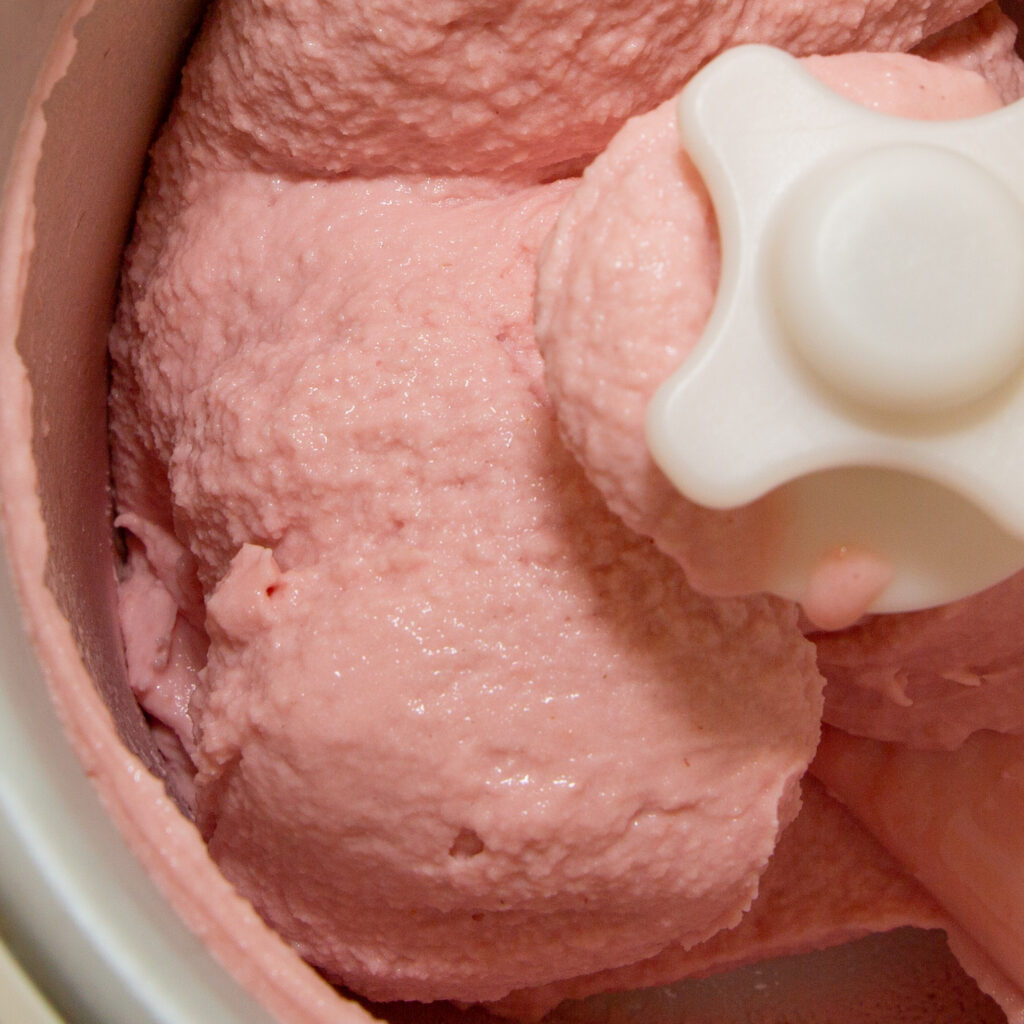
(440,664)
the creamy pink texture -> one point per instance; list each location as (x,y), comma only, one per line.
(453,710)
(484,86)
(827,882)
(458,730)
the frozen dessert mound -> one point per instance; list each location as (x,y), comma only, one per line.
(439,705)
(452,710)
(509,88)
(639,235)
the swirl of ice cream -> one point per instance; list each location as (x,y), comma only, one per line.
(456,729)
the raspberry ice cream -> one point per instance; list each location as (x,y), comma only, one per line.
(422,633)
(400,691)
(492,88)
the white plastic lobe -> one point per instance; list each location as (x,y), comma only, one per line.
(866,345)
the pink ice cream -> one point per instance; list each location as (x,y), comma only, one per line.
(511,89)
(827,882)
(930,678)
(412,594)
(420,629)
